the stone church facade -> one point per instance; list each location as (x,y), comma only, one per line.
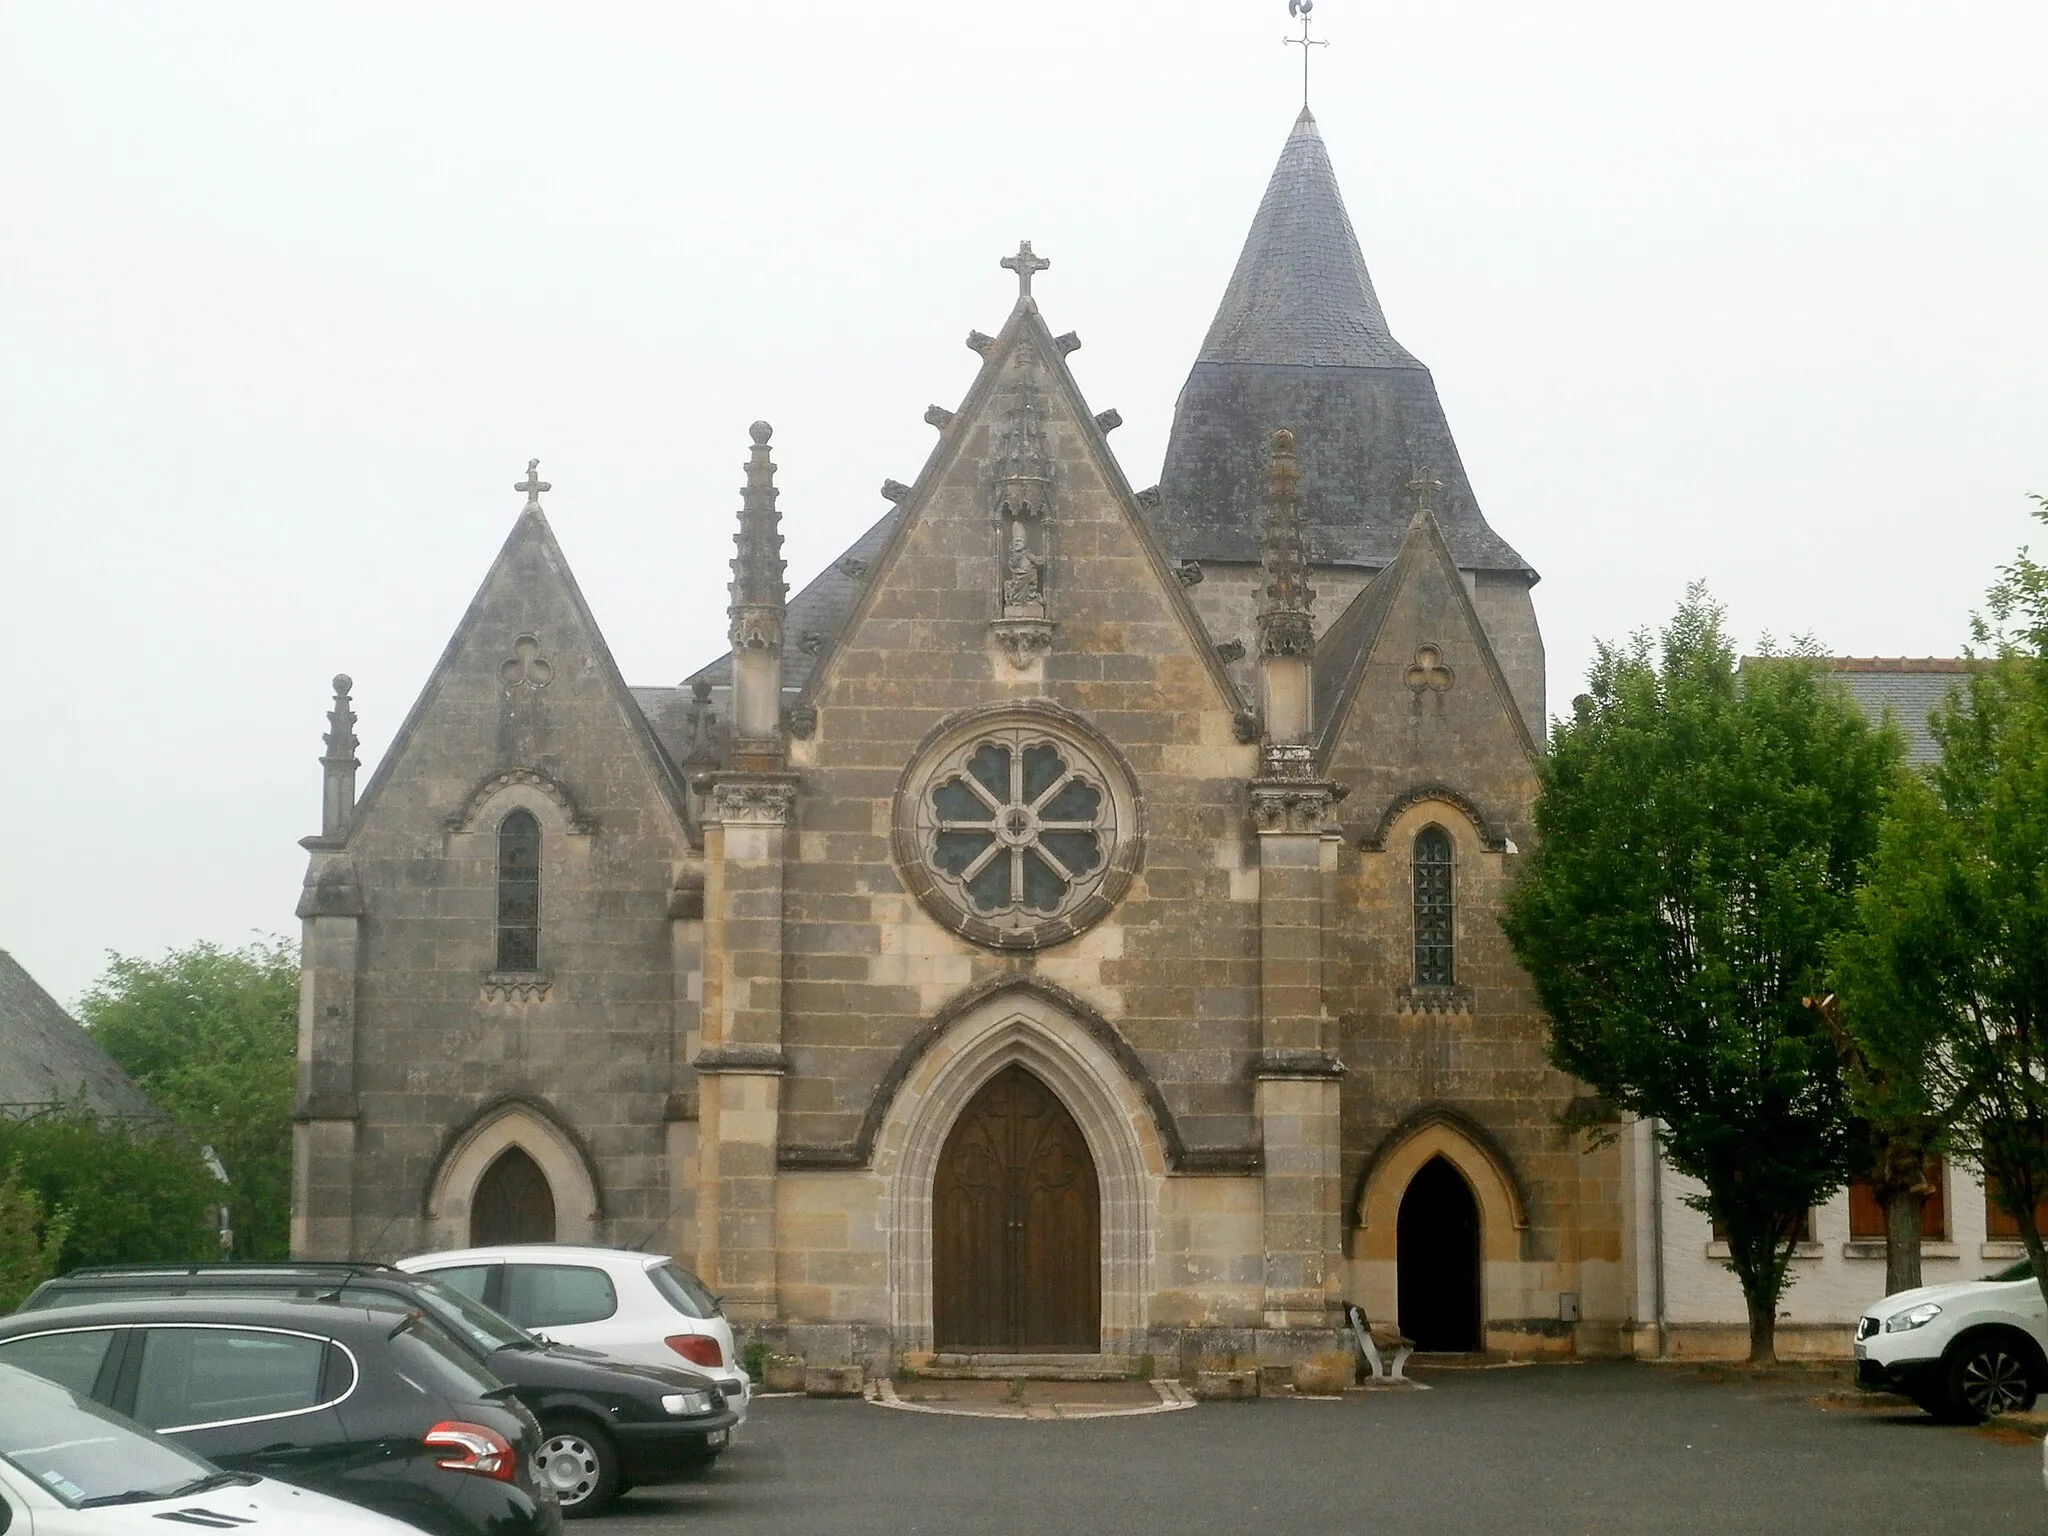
(1069,923)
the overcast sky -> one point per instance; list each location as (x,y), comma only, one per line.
(290,293)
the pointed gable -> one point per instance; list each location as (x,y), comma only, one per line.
(1409,694)
(926,596)
(1300,341)
(526,681)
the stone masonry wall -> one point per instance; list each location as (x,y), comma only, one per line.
(435,1040)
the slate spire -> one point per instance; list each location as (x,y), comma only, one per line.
(1300,337)
(1300,295)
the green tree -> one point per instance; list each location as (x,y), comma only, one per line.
(211,1035)
(135,1194)
(1943,980)
(31,1238)
(1902,1126)
(1700,828)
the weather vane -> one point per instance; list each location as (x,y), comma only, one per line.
(1301,8)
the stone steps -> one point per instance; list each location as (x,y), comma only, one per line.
(1050,1367)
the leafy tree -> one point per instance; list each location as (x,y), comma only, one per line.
(211,1034)
(1944,979)
(1902,1127)
(1700,829)
(133,1194)
(30,1239)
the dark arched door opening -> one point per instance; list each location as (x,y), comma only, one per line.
(1437,1245)
(513,1203)
(1016,1225)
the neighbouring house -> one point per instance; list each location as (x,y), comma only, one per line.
(48,1060)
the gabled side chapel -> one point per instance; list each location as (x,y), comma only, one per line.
(1068,924)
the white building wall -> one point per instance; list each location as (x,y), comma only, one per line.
(1833,1279)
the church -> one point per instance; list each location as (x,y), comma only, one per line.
(1068,924)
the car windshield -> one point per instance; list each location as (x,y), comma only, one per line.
(2024,1270)
(471,1319)
(82,1453)
(682,1290)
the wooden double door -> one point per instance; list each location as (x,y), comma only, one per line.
(1017,1223)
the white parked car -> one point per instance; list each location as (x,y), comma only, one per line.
(629,1306)
(69,1467)
(1963,1351)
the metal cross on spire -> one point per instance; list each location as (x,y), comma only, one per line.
(1301,8)
(533,485)
(1024,263)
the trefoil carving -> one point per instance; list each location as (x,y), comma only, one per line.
(516,987)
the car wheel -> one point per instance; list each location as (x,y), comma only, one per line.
(1988,1376)
(577,1461)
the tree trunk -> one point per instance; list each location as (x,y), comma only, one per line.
(2031,1236)
(1901,1241)
(1763,1328)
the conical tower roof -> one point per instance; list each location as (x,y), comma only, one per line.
(1301,294)
(1300,341)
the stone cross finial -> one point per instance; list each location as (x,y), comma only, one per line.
(533,485)
(1423,485)
(1024,264)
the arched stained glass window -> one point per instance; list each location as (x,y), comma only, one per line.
(519,893)
(1434,911)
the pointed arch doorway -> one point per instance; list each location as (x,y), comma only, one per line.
(513,1202)
(1437,1244)
(1016,1225)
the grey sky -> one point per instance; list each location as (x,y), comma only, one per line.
(289,294)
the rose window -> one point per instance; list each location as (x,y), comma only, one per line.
(1016,834)
(1017,827)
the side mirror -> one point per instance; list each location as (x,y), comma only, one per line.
(6,1515)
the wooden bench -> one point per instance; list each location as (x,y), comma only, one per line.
(1377,1343)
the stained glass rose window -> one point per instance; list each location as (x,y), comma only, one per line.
(1017,832)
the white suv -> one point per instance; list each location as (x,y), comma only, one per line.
(1963,1351)
(640,1308)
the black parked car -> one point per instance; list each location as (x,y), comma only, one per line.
(605,1427)
(375,1405)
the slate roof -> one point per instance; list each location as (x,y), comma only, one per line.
(1300,341)
(47,1057)
(1911,687)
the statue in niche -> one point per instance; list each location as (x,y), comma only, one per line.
(1023,574)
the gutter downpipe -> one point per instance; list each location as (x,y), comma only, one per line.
(1657,1243)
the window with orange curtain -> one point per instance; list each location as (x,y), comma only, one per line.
(1999,1224)
(1866,1216)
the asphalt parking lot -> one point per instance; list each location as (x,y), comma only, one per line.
(1541,1449)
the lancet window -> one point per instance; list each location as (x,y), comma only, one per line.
(519,892)
(1435,913)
